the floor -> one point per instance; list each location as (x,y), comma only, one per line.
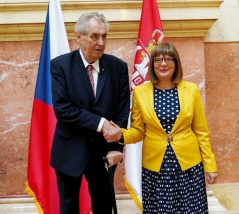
(125,205)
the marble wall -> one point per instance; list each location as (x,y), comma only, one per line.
(18,70)
(213,66)
(222,106)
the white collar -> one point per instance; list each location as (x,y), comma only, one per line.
(95,64)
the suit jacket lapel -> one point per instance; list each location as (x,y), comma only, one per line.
(104,70)
(80,70)
(183,96)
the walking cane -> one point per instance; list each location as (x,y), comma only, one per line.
(111,185)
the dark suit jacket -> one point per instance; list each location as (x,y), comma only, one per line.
(78,113)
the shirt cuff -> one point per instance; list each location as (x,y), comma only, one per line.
(102,120)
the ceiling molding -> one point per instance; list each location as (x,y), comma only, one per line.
(104,4)
(24,20)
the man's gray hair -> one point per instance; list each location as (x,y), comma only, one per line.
(81,25)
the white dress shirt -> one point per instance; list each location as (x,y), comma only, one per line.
(95,73)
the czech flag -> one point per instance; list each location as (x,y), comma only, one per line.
(41,179)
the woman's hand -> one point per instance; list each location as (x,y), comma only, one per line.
(211,177)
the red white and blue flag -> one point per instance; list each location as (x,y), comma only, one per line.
(41,179)
(150,34)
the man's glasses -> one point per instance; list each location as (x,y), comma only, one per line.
(159,61)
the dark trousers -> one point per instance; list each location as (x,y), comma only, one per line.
(98,184)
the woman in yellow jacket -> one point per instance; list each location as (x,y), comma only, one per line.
(168,115)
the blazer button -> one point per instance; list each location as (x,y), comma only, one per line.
(169,139)
(92,139)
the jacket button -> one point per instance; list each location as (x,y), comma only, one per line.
(169,138)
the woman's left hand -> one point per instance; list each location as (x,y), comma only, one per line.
(211,177)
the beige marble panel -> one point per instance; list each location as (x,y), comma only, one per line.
(226,28)
(23,20)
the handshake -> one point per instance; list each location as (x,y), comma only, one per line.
(111,131)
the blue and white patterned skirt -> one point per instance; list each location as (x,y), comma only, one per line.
(173,191)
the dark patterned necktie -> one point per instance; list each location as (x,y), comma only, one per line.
(89,71)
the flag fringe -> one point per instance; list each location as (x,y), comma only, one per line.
(29,191)
(132,193)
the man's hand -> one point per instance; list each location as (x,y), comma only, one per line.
(111,131)
(114,157)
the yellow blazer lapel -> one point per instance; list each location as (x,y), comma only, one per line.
(183,96)
(148,97)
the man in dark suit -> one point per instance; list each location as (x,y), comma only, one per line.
(83,111)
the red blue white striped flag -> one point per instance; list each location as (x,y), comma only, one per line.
(41,179)
(150,34)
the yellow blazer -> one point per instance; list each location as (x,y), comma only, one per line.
(189,135)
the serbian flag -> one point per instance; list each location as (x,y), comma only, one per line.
(41,179)
(150,34)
